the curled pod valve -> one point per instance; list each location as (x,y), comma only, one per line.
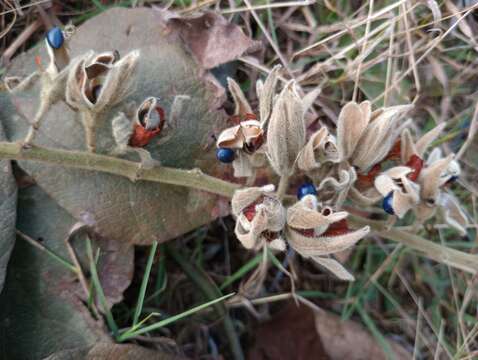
(149,121)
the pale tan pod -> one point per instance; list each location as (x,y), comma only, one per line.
(424,142)
(119,82)
(334,267)
(240,101)
(452,212)
(407,146)
(251,129)
(379,137)
(346,178)
(286,131)
(249,233)
(244,197)
(323,245)
(385,184)
(275,212)
(74,82)
(265,94)
(302,215)
(308,159)
(351,124)
(231,137)
(430,179)
(403,202)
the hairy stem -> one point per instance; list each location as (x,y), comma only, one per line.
(283,185)
(194,178)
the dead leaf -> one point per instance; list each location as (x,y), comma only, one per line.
(116,207)
(290,335)
(109,351)
(41,310)
(8,205)
(39,314)
(349,340)
(210,37)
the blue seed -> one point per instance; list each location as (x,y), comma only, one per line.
(387,203)
(306,189)
(55,37)
(452,179)
(225,155)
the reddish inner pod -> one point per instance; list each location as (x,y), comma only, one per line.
(416,164)
(337,228)
(141,137)
(366,180)
(250,211)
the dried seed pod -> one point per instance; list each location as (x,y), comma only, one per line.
(265,93)
(399,192)
(315,231)
(260,217)
(96,83)
(378,137)
(321,147)
(242,107)
(100,81)
(434,176)
(246,138)
(149,122)
(352,122)
(286,131)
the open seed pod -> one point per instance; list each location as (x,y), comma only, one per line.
(260,217)
(315,231)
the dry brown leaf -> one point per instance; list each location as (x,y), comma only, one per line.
(290,335)
(109,351)
(349,340)
(210,37)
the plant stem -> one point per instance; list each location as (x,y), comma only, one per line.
(282,187)
(442,254)
(194,178)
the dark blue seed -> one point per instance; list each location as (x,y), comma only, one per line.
(306,189)
(452,179)
(55,37)
(225,155)
(387,203)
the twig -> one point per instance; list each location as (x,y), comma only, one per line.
(194,178)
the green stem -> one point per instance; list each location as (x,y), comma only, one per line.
(194,178)
(211,292)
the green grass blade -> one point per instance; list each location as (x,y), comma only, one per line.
(251,264)
(127,335)
(99,290)
(144,284)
